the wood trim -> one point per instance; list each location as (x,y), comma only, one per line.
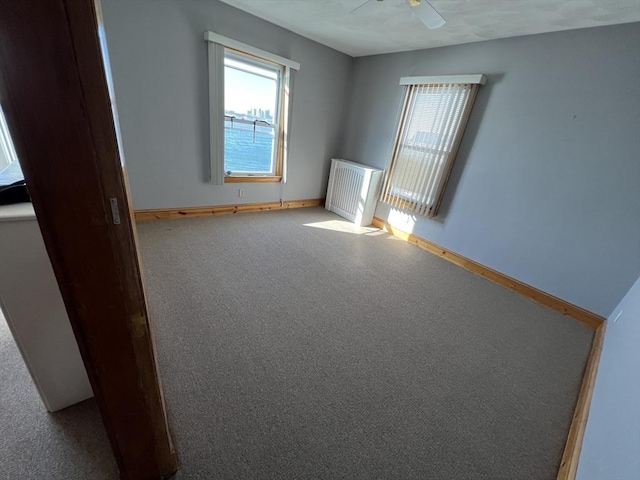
(165,213)
(562,306)
(252,178)
(283,118)
(573,446)
(55,98)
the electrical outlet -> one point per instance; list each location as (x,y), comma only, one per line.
(617,317)
(241,192)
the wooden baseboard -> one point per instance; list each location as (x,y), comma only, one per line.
(571,455)
(165,213)
(562,306)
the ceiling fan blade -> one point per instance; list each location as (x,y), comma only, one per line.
(427,14)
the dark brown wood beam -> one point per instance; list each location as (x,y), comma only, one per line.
(54,94)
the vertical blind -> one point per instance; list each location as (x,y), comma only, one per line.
(431,127)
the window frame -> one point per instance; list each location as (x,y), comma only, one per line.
(7,149)
(409,200)
(217,45)
(277,161)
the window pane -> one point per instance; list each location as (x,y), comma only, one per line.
(427,130)
(251,95)
(246,153)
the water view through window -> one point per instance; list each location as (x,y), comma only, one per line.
(251,115)
(246,152)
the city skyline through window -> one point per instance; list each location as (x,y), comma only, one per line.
(250,90)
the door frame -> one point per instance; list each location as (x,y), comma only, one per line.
(54,94)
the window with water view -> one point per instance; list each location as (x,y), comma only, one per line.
(252,92)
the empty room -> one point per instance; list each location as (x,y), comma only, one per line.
(320,239)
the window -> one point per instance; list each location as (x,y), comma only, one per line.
(252,92)
(10,171)
(249,104)
(433,120)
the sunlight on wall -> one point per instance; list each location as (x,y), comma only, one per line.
(402,220)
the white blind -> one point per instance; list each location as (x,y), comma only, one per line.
(430,131)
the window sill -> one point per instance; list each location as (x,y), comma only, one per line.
(252,178)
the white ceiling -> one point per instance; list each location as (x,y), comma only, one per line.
(390,26)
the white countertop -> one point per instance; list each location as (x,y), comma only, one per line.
(17,212)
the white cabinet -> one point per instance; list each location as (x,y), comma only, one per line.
(32,306)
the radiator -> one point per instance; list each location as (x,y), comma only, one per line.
(353,191)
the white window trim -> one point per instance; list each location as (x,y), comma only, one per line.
(243,47)
(216,45)
(437,80)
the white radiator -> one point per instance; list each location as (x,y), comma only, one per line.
(353,190)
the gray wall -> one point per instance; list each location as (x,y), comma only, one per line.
(611,447)
(546,186)
(159,64)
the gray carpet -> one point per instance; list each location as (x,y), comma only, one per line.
(34,444)
(289,351)
(295,352)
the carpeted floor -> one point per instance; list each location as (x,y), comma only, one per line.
(34,444)
(293,345)
(292,350)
